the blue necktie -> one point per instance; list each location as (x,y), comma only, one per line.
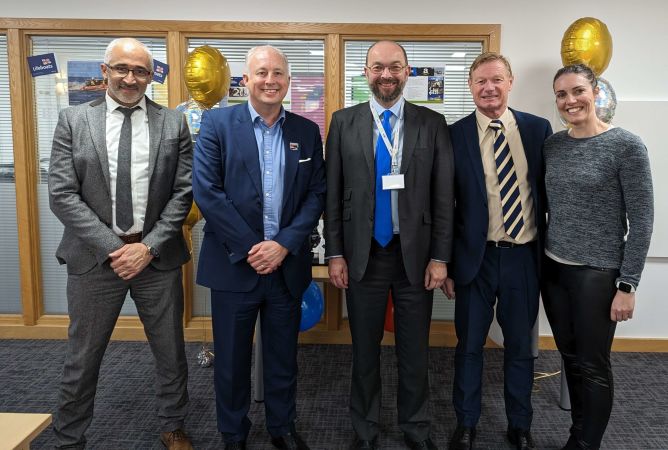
(508,183)
(382,223)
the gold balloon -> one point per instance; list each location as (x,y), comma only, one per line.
(193,216)
(207,76)
(587,41)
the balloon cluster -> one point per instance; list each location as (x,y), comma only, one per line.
(588,41)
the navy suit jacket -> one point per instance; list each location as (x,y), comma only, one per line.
(227,187)
(471,212)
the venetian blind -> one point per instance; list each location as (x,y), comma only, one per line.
(52,93)
(10,299)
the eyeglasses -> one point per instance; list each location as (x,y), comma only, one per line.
(377,69)
(138,72)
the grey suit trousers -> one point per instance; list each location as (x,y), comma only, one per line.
(94,302)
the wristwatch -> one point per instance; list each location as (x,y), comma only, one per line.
(152,251)
(625,287)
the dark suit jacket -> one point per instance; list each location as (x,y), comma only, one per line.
(227,185)
(425,204)
(79,186)
(471,213)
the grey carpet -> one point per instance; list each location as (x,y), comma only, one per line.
(125,409)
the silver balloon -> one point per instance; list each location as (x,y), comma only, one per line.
(606,101)
(205,356)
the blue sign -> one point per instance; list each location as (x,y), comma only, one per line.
(160,71)
(42,64)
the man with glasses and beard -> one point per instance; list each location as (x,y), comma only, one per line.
(120,182)
(388,229)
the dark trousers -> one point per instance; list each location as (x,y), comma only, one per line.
(509,275)
(94,301)
(577,302)
(234,315)
(366,302)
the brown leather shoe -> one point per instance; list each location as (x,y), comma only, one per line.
(176,440)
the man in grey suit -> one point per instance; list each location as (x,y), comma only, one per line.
(120,182)
(388,228)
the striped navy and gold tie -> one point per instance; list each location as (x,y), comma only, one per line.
(513,221)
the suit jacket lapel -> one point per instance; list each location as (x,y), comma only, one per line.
(527,144)
(156,120)
(411,131)
(470,127)
(247,144)
(97,124)
(291,156)
(365,137)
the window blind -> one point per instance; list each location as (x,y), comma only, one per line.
(51,95)
(10,300)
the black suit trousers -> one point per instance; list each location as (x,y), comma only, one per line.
(367,302)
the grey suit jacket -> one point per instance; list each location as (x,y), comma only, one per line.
(425,204)
(79,193)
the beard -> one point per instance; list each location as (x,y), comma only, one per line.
(375,87)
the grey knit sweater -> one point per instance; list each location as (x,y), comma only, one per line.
(593,185)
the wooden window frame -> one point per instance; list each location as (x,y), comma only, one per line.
(33,323)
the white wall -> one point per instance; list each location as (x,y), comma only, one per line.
(530,36)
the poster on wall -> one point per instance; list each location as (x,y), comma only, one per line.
(425,85)
(308,97)
(42,64)
(84,81)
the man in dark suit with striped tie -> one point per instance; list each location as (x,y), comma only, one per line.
(499,224)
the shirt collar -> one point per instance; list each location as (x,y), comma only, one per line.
(254,114)
(397,109)
(483,121)
(113,104)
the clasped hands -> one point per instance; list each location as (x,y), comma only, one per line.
(129,260)
(265,257)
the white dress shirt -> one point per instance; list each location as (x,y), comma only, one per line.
(139,171)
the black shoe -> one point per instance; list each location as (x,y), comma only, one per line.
(239,445)
(427,444)
(521,439)
(364,445)
(462,438)
(290,441)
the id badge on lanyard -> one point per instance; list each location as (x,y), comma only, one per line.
(393,180)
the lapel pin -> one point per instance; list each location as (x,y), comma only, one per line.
(294,146)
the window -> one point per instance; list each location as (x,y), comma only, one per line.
(10,300)
(450,59)
(52,95)
(445,90)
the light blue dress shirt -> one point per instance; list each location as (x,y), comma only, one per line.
(397,119)
(271,153)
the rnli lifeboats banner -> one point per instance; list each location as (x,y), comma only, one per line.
(160,71)
(84,81)
(42,64)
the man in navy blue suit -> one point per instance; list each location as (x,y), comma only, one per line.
(499,225)
(259,180)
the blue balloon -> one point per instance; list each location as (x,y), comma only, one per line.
(312,307)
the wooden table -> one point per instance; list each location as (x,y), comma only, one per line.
(19,429)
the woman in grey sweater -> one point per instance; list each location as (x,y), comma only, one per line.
(600,213)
